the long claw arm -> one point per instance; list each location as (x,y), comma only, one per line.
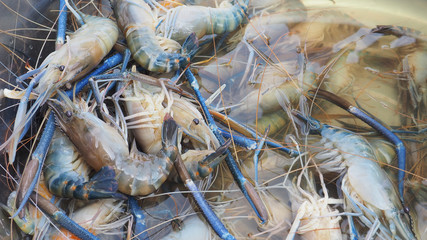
(257,152)
(210,216)
(62,24)
(245,141)
(246,187)
(61,218)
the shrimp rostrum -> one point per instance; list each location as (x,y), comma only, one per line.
(366,186)
(102,145)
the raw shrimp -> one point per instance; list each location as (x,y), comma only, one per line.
(314,218)
(83,51)
(364,181)
(102,145)
(182,21)
(145,115)
(137,22)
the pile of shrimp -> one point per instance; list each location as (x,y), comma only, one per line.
(259,65)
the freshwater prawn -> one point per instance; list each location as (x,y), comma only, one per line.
(137,22)
(102,145)
(182,21)
(83,51)
(366,186)
(145,113)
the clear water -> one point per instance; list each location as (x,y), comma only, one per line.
(328,45)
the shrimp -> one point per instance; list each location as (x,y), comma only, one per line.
(314,218)
(67,175)
(365,181)
(145,111)
(102,145)
(145,115)
(101,216)
(182,21)
(137,22)
(34,221)
(83,51)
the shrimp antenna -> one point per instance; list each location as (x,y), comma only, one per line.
(75,11)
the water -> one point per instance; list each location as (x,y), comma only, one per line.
(327,44)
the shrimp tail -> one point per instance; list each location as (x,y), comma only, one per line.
(190,46)
(102,185)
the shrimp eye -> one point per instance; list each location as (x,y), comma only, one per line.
(61,68)
(196,121)
(406,209)
(68,114)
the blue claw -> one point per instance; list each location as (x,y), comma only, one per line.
(250,144)
(210,216)
(353,231)
(61,218)
(247,143)
(140,228)
(400,148)
(257,151)
(62,24)
(245,186)
(37,159)
(40,153)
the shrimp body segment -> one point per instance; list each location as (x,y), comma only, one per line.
(67,174)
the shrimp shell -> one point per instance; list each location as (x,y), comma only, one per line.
(102,145)
(137,22)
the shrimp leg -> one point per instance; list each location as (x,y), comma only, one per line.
(245,186)
(400,148)
(39,154)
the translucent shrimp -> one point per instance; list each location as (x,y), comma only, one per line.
(182,21)
(102,145)
(366,186)
(137,22)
